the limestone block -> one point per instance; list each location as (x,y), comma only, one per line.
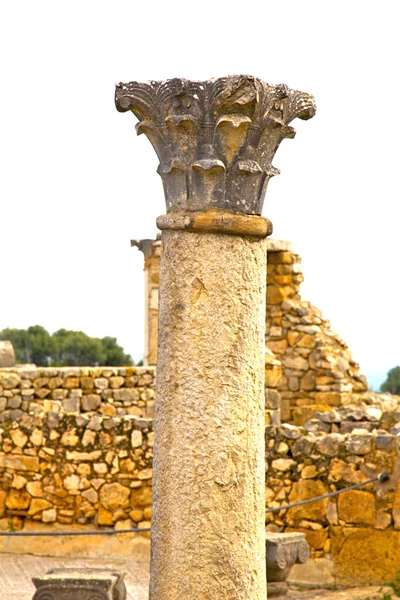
(7,354)
(114,495)
(309,472)
(3,496)
(283,464)
(37,505)
(18,437)
(19,462)
(35,488)
(90,402)
(8,381)
(305,489)
(141,497)
(18,482)
(17,500)
(317,572)
(357,507)
(272,399)
(49,516)
(330,444)
(359,444)
(340,470)
(71,405)
(364,555)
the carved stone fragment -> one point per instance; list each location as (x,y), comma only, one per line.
(215,139)
(283,551)
(85,584)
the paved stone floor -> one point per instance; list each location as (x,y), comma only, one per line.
(17,570)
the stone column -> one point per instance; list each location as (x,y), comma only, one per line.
(215,141)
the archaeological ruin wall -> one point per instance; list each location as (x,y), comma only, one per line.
(76,450)
(313,367)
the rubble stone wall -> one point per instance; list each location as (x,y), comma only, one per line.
(307,363)
(358,529)
(76,449)
(76,445)
(318,371)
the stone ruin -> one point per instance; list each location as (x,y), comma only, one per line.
(309,368)
(77,444)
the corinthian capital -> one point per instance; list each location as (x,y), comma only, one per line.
(215,139)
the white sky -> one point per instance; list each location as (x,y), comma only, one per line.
(76,184)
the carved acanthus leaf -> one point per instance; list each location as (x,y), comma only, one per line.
(215,139)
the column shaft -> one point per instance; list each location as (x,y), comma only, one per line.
(208,526)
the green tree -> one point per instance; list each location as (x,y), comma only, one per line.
(64,348)
(392,382)
(75,348)
(114,354)
(32,345)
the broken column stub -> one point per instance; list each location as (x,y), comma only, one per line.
(82,584)
(215,141)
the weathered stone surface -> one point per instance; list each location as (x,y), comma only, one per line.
(304,490)
(3,496)
(38,505)
(283,550)
(210,293)
(18,500)
(236,162)
(18,437)
(35,488)
(396,508)
(114,495)
(330,444)
(19,462)
(357,507)
(362,555)
(136,438)
(9,380)
(283,464)
(315,573)
(71,405)
(7,354)
(346,472)
(89,584)
(358,444)
(90,402)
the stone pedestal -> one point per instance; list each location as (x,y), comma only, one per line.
(80,584)
(283,551)
(215,141)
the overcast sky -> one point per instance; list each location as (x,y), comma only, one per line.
(77,184)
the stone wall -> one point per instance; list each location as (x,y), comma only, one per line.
(76,446)
(313,369)
(318,371)
(76,451)
(358,530)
